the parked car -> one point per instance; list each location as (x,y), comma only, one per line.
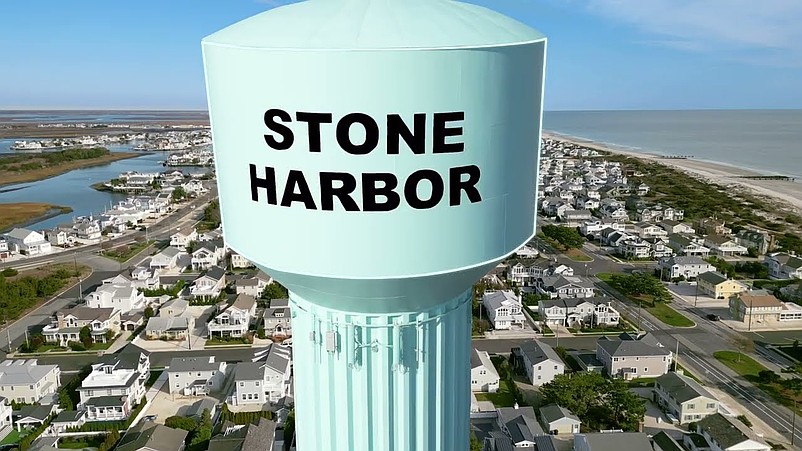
(713,317)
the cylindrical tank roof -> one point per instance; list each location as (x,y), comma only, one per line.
(375,24)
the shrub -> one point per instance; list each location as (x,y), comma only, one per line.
(76,346)
(9,272)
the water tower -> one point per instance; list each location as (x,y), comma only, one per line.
(377,157)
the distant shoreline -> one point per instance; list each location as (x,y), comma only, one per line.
(786,191)
(13,178)
(23,214)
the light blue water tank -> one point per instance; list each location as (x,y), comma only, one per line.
(377,157)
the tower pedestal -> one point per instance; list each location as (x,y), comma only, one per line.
(382,381)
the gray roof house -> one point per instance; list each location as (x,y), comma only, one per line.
(149,436)
(250,437)
(520,424)
(664,442)
(725,434)
(28,381)
(539,360)
(632,359)
(559,420)
(612,441)
(684,398)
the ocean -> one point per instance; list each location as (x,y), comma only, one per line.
(766,141)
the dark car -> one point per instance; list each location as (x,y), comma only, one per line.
(713,317)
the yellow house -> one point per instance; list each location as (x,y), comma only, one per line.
(718,286)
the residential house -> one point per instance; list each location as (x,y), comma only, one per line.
(175,328)
(210,284)
(713,226)
(266,379)
(149,436)
(68,419)
(784,266)
(558,420)
(565,287)
(593,311)
(235,320)
(32,416)
(484,377)
(683,397)
(57,237)
(613,210)
(183,237)
(762,242)
(633,357)
(612,441)
(683,245)
(277,319)
(573,218)
(634,248)
(206,255)
(647,230)
(525,273)
(195,376)
(115,386)
(249,437)
(684,266)
(728,434)
(659,248)
(121,298)
(4,252)
(724,246)
(28,242)
(26,381)
(65,325)
(504,310)
(239,262)
(254,285)
(539,361)
(167,259)
(526,251)
(676,227)
(756,309)
(718,286)
(520,424)
(6,423)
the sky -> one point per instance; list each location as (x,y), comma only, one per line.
(603,54)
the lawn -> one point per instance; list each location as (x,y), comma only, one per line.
(745,366)
(502,398)
(124,253)
(577,255)
(81,442)
(668,315)
(13,437)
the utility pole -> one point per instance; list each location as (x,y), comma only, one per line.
(676,357)
(696,294)
(793,424)
(750,313)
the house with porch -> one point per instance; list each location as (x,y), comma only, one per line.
(235,320)
(253,285)
(784,266)
(565,287)
(210,284)
(573,312)
(167,259)
(239,262)
(277,319)
(727,434)
(266,379)
(762,242)
(207,254)
(504,310)
(120,297)
(685,245)
(195,376)
(183,236)
(724,246)
(684,266)
(631,357)
(65,325)
(115,386)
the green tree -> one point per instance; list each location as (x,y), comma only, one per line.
(178,194)
(274,291)
(149,312)
(85,335)
(179,422)
(476,444)
(567,237)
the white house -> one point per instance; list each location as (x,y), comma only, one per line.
(65,325)
(784,266)
(210,284)
(195,376)
(684,266)
(484,377)
(183,236)
(558,420)
(504,310)
(565,287)
(727,434)
(266,379)
(724,246)
(115,386)
(539,360)
(278,319)
(122,298)
(596,311)
(28,242)
(26,381)
(239,262)
(166,259)
(235,320)
(254,285)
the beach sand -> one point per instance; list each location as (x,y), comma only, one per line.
(788,193)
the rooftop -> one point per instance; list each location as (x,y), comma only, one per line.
(183,364)
(681,387)
(23,372)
